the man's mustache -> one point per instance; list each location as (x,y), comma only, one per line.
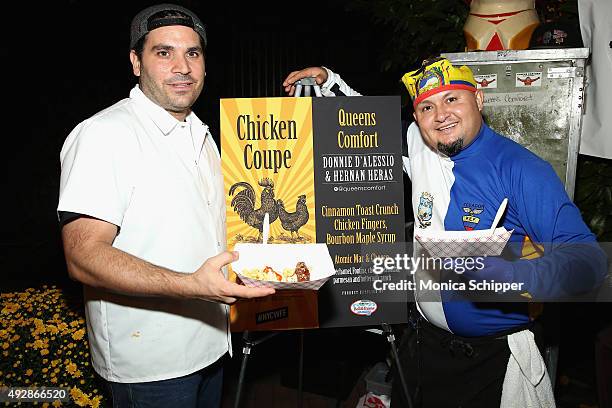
(180,78)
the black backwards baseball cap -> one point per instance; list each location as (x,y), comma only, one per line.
(142,23)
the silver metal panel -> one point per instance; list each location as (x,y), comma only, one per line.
(494,57)
(535,98)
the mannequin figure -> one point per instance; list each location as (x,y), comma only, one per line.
(500,24)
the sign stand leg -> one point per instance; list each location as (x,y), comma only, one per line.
(248,344)
(301,370)
(391,339)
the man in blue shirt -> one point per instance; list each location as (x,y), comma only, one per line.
(470,353)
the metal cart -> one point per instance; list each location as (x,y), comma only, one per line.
(534,97)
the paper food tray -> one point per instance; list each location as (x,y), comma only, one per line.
(444,244)
(281,256)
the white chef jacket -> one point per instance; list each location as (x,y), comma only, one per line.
(159,180)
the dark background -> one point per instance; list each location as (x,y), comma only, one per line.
(67,61)
(73,62)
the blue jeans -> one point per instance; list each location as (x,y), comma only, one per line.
(201,389)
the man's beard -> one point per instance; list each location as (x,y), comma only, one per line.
(451,149)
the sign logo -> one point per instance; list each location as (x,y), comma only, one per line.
(425,210)
(486,81)
(272,315)
(528,79)
(363,307)
(470,221)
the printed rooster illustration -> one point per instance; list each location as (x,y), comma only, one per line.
(244,203)
(293,221)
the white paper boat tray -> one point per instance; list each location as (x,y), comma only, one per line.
(281,256)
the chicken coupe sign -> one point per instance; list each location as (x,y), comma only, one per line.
(326,170)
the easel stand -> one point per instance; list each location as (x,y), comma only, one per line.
(249,344)
(306,84)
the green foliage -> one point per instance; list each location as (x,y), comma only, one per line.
(416,29)
(557,10)
(593,194)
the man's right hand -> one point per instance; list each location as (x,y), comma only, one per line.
(318,73)
(210,282)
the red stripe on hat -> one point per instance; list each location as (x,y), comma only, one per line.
(434,91)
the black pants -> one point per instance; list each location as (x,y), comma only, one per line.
(443,370)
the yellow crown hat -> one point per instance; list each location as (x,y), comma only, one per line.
(436,76)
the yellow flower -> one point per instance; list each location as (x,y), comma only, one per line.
(5,345)
(10,308)
(54,380)
(95,401)
(79,397)
(45,405)
(44,352)
(78,335)
(29,372)
(57,403)
(71,367)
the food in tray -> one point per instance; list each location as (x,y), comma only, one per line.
(301,273)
